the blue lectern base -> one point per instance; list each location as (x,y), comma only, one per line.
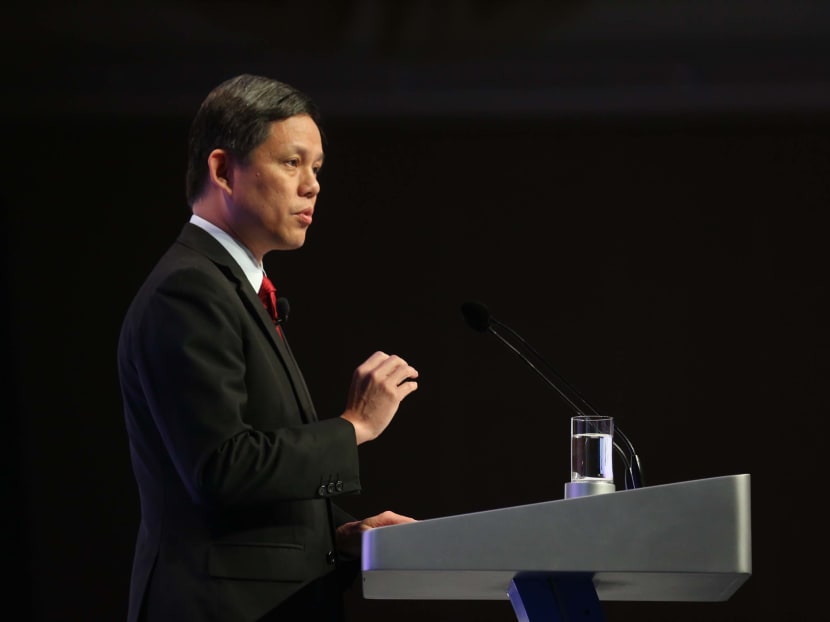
(568,597)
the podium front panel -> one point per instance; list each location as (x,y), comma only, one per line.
(685,541)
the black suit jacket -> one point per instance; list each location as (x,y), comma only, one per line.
(235,472)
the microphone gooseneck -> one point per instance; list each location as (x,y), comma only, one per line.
(478,317)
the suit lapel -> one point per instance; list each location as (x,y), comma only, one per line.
(201,241)
(281,347)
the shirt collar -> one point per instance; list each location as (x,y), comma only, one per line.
(250,266)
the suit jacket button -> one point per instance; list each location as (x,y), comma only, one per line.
(331,558)
(339,486)
(331,487)
(322,490)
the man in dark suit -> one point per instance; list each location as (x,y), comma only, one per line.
(235,471)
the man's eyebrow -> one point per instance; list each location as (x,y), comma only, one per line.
(305,152)
(294,148)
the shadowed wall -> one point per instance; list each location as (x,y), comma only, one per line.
(640,189)
(674,274)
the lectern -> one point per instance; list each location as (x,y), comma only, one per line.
(556,560)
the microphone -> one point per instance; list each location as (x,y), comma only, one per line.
(282,311)
(478,317)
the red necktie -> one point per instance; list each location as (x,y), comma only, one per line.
(268,296)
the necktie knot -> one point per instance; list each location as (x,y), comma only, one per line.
(268,296)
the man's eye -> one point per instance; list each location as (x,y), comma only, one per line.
(316,170)
(293,162)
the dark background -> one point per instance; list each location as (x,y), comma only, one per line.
(638,188)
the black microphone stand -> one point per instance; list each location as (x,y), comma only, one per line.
(479,318)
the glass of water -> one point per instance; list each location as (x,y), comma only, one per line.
(592,452)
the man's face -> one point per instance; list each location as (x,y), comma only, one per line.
(273,194)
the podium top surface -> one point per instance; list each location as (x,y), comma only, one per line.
(685,541)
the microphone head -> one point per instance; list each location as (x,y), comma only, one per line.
(283,308)
(477,315)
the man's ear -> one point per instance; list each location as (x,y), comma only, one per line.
(219,169)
